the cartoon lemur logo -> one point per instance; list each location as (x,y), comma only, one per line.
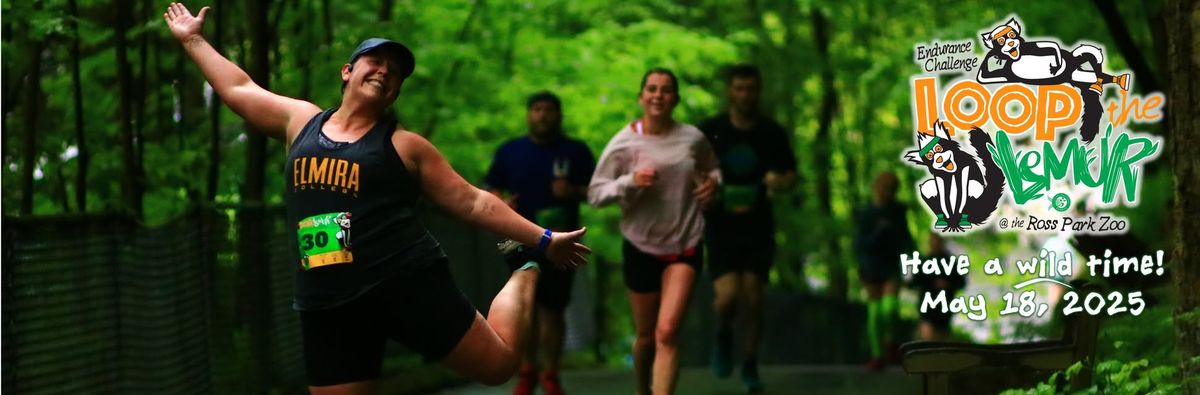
(962,192)
(343,235)
(1010,58)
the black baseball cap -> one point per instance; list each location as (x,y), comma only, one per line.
(407,62)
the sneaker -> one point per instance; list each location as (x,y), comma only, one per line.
(516,255)
(551,385)
(750,377)
(941,222)
(526,381)
(722,356)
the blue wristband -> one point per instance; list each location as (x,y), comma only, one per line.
(545,241)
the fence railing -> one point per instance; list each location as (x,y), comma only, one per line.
(202,305)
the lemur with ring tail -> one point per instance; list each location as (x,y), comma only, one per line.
(1012,59)
(961,192)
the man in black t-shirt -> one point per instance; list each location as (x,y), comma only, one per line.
(756,157)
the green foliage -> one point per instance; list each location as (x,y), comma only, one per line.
(1114,377)
(1133,356)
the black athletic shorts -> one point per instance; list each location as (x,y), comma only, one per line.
(554,288)
(423,310)
(643,272)
(936,317)
(554,285)
(728,252)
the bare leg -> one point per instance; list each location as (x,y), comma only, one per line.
(645,317)
(752,311)
(725,302)
(552,328)
(725,296)
(676,290)
(491,350)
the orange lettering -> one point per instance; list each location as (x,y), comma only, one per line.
(999,111)
(316,170)
(960,91)
(1051,116)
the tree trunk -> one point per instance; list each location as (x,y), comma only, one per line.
(385,10)
(305,57)
(33,103)
(13,78)
(328,20)
(1183,98)
(253,291)
(453,74)
(140,88)
(80,137)
(214,113)
(130,192)
(259,70)
(838,282)
(1147,80)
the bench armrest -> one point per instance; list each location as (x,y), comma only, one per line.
(949,359)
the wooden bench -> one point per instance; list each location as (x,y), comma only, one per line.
(953,368)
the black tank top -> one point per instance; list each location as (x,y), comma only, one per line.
(352,207)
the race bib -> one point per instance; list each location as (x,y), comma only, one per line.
(324,240)
(738,198)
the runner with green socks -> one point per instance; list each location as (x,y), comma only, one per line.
(881,236)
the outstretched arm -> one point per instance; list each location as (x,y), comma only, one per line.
(448,189)
(275,115)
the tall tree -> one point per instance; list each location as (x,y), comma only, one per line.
(1146,78)
(259,68)
(131,190)
(254,285)
(1183,98)
(33,104)
(385,10)
(84,155)
(452,76)
(327,19)
(141,82)
(304,58)
(214,113)
(12,78)
(838,282)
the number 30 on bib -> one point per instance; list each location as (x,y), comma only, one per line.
(324,240)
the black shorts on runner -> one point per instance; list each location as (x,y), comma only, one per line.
(728,253)
(643,272)
(553,286)
(423,310)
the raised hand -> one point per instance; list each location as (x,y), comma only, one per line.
(183,25)
(566,251)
